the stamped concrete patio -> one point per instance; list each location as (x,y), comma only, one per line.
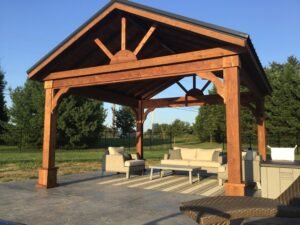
(93,199)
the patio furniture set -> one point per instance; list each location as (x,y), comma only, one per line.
(220,209)
(189,160)
(199,161)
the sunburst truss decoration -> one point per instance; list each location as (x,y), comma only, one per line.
(125,55)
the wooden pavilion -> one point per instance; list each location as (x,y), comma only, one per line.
(127,53)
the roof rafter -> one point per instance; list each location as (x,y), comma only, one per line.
(104,95)
(104,49)
(145,39)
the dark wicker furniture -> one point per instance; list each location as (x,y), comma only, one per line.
(223,209)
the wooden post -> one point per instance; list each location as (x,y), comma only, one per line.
(261,129)
(139,130)
(48,172)
(234,186)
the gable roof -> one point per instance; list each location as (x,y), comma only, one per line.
(214,32)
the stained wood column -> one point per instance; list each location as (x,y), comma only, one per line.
(140,130)
(234,186)
(48,172)
(261,128)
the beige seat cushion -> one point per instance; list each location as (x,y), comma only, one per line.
(116,150)
(188,154)
(134,163)
(175,162)
(204,163)
(205,154)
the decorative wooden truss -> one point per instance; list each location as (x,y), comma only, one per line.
(128,53)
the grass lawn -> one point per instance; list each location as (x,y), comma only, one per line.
(15,165)
(20,165)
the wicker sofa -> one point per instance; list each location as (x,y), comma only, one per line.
(117,160)
(208,159)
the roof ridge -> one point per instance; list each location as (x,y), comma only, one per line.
(185,19)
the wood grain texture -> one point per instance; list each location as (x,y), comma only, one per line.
(47,174)
(157,61)
(215,80)
(145,39)
(123,33)
(261,129)
(140,129)
(70,41)
(104,49)
(182,101)
(183,25)
(155,72)
(232,90)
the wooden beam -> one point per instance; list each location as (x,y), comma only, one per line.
(190,101)
(146,113)
(159,88)
(258,68)
(184,25)
(70,41)
(180,24)
(157,61)
(145,39)
(182,87)
(145,88)
(104,49)
(58,96)
(123,34)
(139,129)
(173,70)
(261,129)
(245,78)
(234,165)
(106,96)
(216,81)
(47,175)
(163,45)
(182,101)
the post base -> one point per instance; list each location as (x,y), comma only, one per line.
(234,189)
(47,178)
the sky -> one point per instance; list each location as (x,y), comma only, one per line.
(30,29)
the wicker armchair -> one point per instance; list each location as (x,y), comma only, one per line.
(224,209)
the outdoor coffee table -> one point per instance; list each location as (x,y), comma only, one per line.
(189,169)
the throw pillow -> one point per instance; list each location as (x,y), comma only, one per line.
(175,154)
(126,156)
(215,156)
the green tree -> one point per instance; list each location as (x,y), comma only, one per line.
(164,129)
(210,122)
(27,113)
(125,120)
(80,122)
(3,109)
(283,106)
(179,127)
